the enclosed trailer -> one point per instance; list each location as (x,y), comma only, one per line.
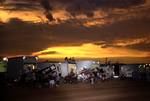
(18,65)
(63,68)
(48,66)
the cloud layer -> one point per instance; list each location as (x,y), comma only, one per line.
(26,37)
(107,23)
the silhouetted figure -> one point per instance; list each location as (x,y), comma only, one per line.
(66,59)
(92,80)
(51,81)
(116,69)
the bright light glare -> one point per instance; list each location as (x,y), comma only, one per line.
(5,59)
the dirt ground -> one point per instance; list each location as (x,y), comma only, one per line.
(114,90)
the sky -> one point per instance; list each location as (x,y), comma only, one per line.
(75,28)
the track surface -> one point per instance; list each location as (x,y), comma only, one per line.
(114,90)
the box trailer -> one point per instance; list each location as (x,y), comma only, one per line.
(18,65)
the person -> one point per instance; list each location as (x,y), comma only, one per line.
(103,76)
(51,81)
(72,76)
(58,76)
(92,79)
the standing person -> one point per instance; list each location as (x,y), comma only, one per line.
(103,75)
(92,78)
(95,74)
(51,81)
(58,76)
(72,76)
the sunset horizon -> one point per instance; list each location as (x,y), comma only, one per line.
(75,50)
(56,29)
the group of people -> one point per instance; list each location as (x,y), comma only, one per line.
(49,77)
(39,78)
(92,76)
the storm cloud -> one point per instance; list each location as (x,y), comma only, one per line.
(74,7)
(26,37)
(125,20)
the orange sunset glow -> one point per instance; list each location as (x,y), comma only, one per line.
(56,29)
(88,51)
(75,50)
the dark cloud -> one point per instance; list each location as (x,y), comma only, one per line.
(75,7)
(19,37)
(30,5)
(48,53)
(48,8)
(21,6)
(87,7)
(46,5)
(142,46)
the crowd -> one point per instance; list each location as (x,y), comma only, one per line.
(93,75)
(51,78)
(39,78)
